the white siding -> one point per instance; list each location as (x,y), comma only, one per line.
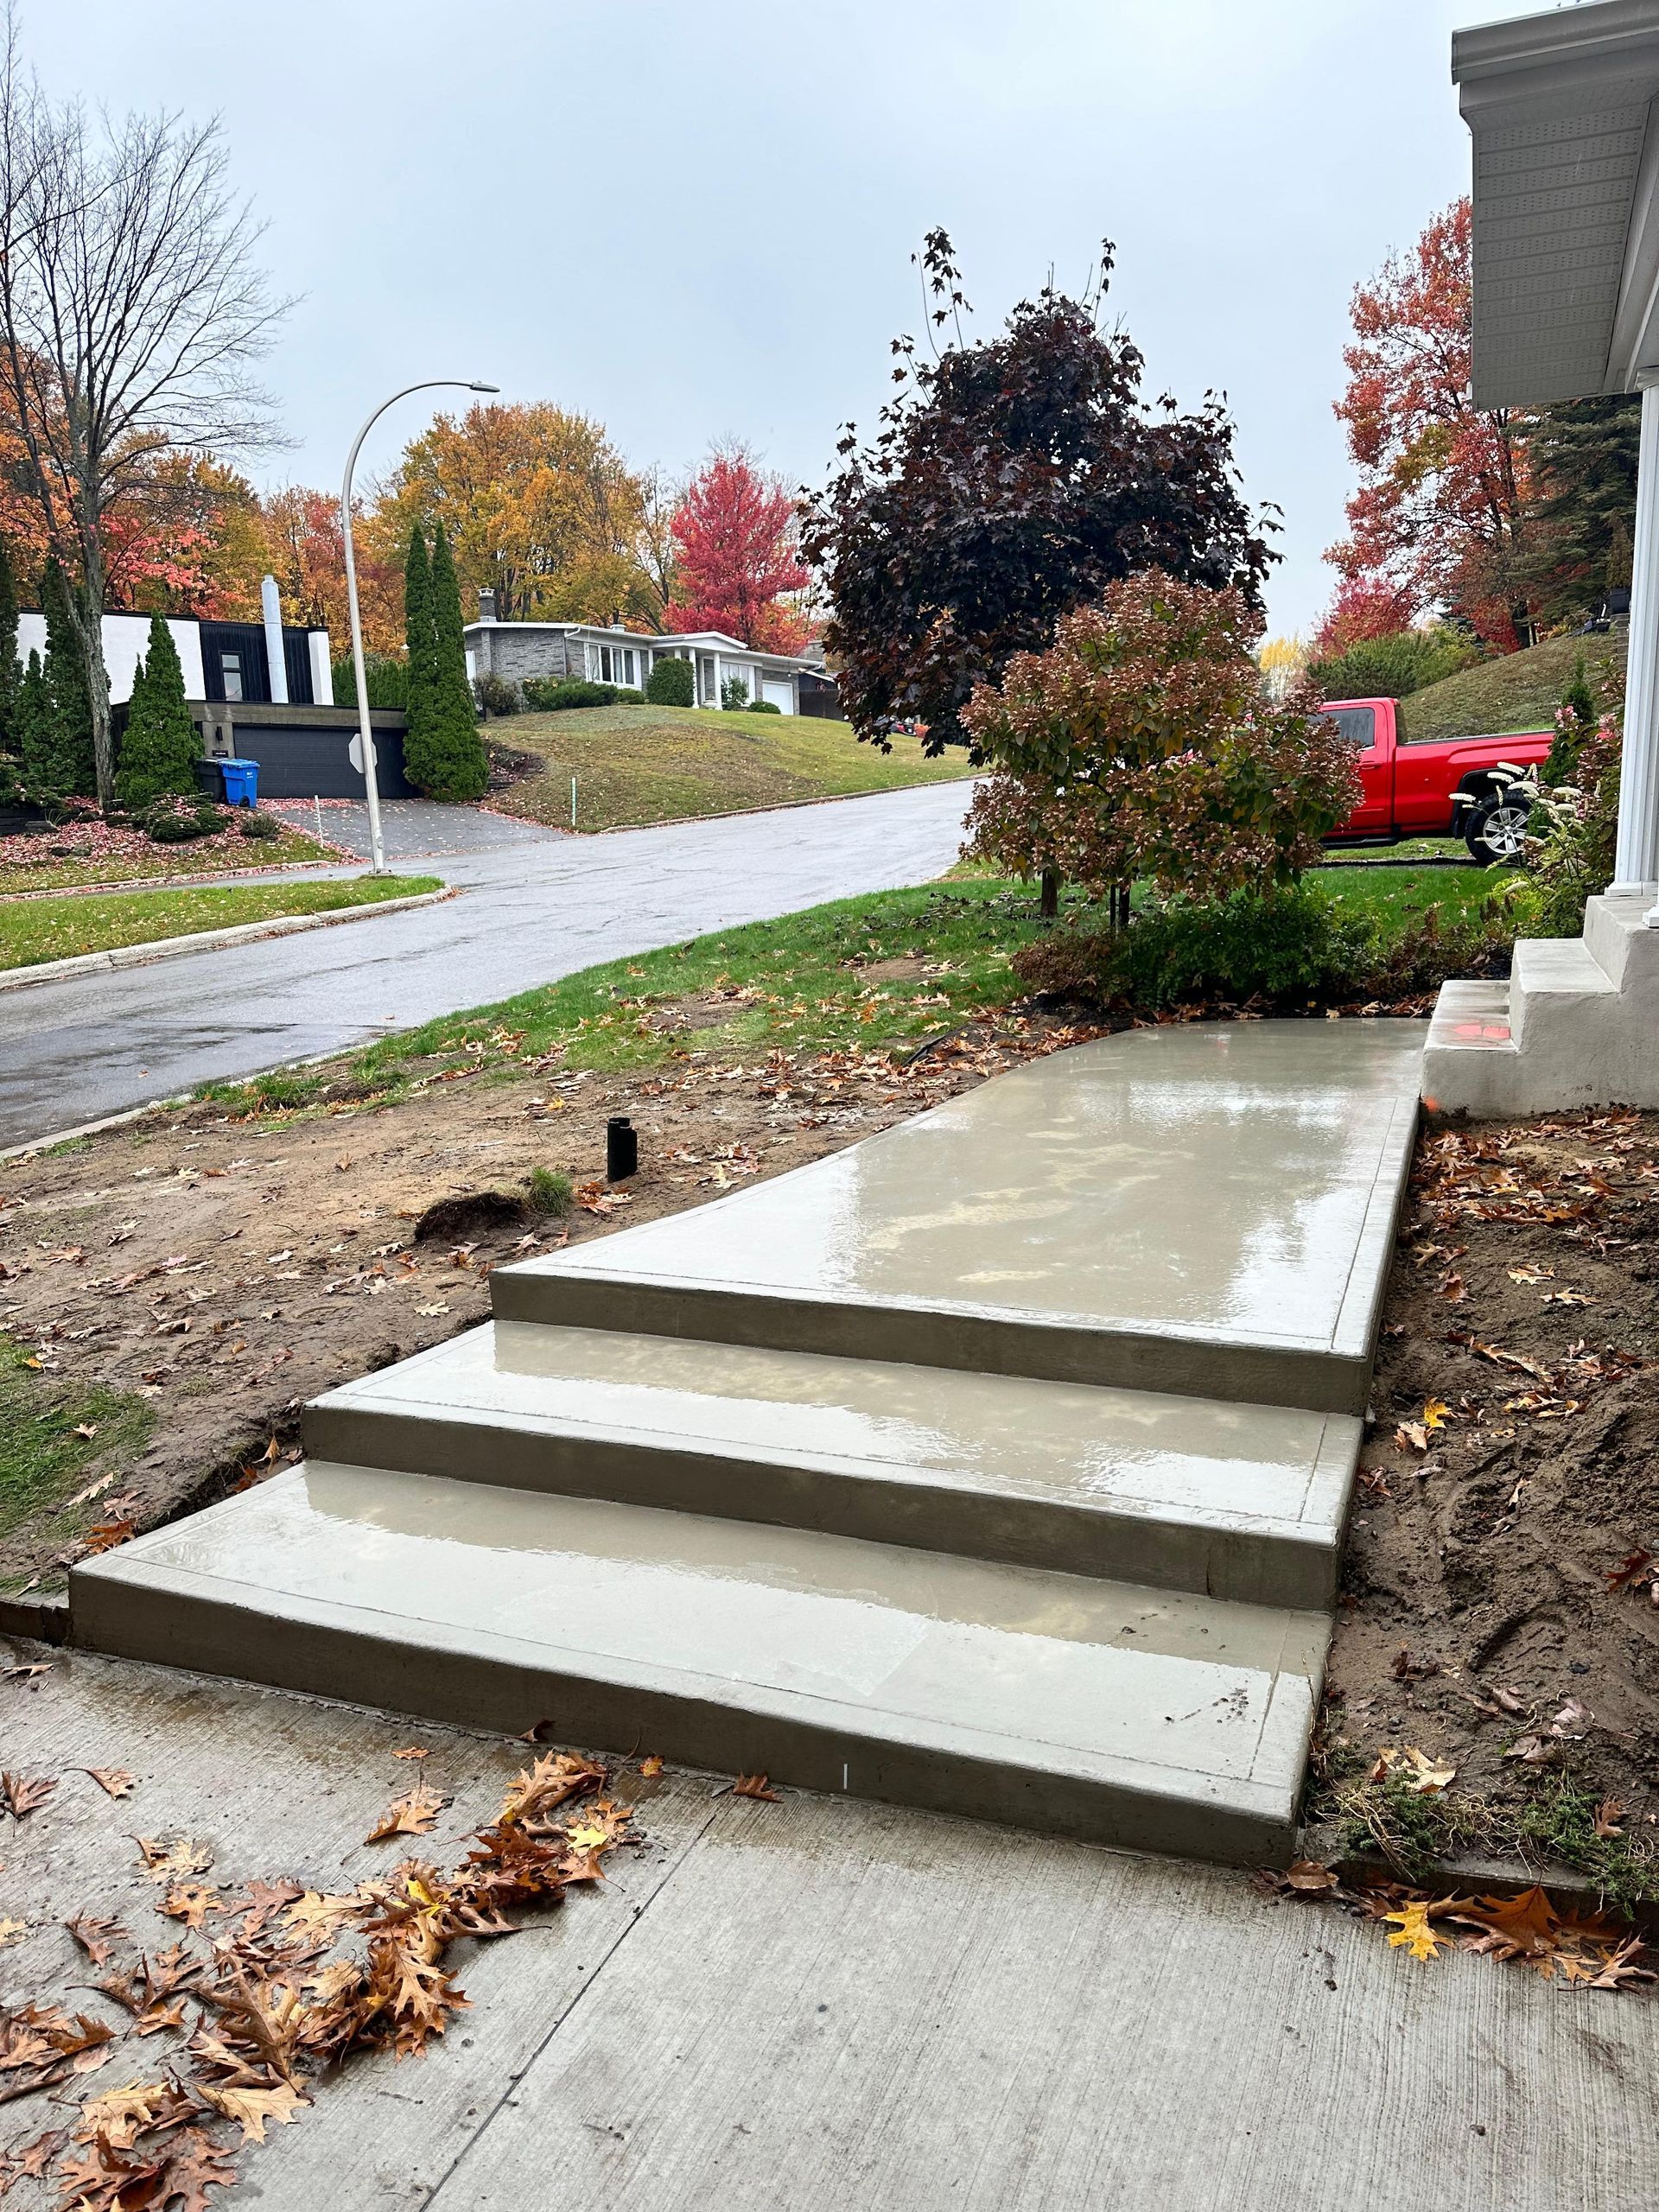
(126,637)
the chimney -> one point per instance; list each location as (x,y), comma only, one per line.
(487,605)
(271,607)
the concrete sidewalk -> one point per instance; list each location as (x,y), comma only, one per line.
(831,2006)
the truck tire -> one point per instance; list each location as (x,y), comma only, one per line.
(1494,829)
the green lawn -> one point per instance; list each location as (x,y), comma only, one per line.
(34,929)
(673,764)
(1517,691)
(43,1451)
(879,972)
(95,853)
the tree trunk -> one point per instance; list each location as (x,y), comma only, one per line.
(1049,905)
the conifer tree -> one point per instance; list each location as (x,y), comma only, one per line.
(65,670)
(160,749)
(39,748)
(453,765)
(421,641)
(11,673)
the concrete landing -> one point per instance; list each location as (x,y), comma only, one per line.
(997,1464)
(1056,1701)
(1205,1210)
(1236,1501)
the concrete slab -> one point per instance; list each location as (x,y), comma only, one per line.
(1078,1706)
(1242,1502)
(1205,1210)
(833,2006)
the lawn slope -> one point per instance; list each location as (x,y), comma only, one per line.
(1518,692)
(35,930)
(673,764)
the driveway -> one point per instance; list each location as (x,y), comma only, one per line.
(536,906)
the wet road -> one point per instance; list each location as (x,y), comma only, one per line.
(535,906)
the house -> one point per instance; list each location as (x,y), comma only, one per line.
(596,654)
(260,691)
(1564,111)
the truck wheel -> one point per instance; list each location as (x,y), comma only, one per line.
(1495,830)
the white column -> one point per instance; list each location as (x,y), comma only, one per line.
(270,602)
(1635,866)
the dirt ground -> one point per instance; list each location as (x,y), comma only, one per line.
(228,1268)
(1512,1474)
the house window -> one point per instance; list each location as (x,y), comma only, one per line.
(230,665)
(618,665)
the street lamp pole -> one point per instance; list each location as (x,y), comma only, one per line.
(366,736)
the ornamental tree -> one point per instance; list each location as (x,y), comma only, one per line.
(420,643)
(736,555)
(161,746)
(1142,744)
(1010,482)
(444,754)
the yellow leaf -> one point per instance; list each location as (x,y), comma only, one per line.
(1415,1931)
(11,1931)
(1434,1413)
(254,2108)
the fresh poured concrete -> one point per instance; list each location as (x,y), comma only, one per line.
(1244,1502)
(1091,1708)
(1203,1209)
(1005,1578)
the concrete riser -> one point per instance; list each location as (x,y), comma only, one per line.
(1268,1568)
(623,1720)
(1180,1364)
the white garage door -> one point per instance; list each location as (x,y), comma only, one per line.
(782,696)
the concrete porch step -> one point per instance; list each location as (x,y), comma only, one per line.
(1205,1210)
(1122,1714)
(1553,978)
(1238,1501)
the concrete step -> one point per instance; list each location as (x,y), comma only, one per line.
(1242,1502)
(1556,979)
(1469,1061)
(1617,937)
(1124,1715)
(1207,1210)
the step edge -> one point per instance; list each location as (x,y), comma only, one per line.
(1267,1807)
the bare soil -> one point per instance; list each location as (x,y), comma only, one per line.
(228,1268)
(1480,1622)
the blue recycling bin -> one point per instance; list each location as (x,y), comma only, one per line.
(241,782)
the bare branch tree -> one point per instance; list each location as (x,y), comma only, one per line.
(658,554)
(130,307)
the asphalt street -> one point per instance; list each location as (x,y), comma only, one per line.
(535,906)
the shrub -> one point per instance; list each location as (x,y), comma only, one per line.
(263,827)
(672,682)
(174,819)
(443,755)
(1575,722)
(551,1191)
(626,695)
(734,695)
(1141,744)
(495,695)
(549,695)
(385,676)
(160,745)
(1574,836)
(1287,947)
(765,707)
(1392,666)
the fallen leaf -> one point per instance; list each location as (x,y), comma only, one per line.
(97,1938)
(1434,1413)
(1309,1877)
(1606,1817)
(108,1533)
(1415,1931)
(12,1931)
(414,1751)
(1415,1769)
(1411,1436)
(192,1902)
(650,1767)
(20,1794)
(118,2117)
(115,1781)
(412,1815)
(253,2108)
(754,1785)
(166,1860)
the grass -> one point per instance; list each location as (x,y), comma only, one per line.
(76,853)
(1518,692)
(1402,895)
(34,929)
(882,972)
(42,1459)
(673,764)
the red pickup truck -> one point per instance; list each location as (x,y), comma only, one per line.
(1444,787)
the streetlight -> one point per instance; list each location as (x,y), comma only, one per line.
(366,736)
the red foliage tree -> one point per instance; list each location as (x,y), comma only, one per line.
(1361,608)
(1439,514)
(734,536)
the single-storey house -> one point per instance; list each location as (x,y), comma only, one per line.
(592,652)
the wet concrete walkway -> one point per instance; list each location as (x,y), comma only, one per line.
(536,906)
(830,2006)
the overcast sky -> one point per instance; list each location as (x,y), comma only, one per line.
(696,220)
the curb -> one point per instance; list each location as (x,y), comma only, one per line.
(174,948)
(1503,1876)
(46,1618)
